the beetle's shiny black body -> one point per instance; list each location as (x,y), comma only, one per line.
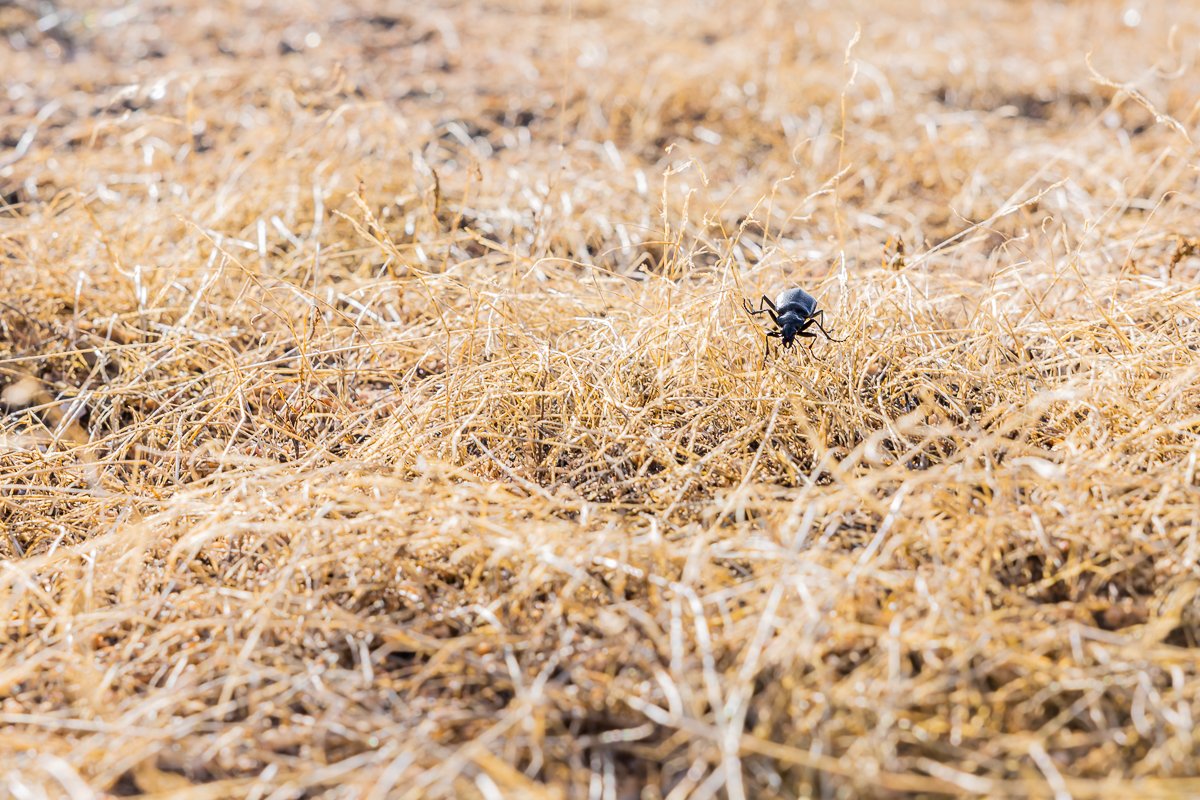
(793,312)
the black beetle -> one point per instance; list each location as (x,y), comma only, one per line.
(794,312)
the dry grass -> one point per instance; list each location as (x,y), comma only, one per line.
(380,419)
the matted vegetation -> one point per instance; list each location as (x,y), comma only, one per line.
(380,418)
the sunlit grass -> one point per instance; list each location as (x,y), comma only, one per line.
(380,417)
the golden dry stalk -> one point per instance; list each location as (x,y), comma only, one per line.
(379,418)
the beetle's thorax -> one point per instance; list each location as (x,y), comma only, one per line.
(791,319)
(790,323)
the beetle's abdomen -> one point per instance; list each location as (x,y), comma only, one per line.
(796,301)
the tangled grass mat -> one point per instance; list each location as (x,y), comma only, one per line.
(380,417)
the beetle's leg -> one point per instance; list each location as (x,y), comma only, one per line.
(805,333)
(814,319)
(772,311)
(765,306)
(812,340)
(767,342)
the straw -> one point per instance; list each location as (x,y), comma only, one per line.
(380,417)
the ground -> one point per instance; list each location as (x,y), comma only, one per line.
(379,416)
